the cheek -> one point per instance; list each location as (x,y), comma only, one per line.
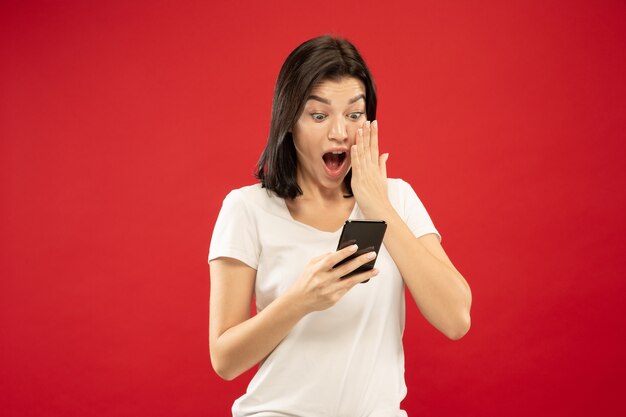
(299,136)
(308,134)
(303,142)
(352,128)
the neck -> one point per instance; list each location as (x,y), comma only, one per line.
(313,190)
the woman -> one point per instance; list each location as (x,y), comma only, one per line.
(327,346)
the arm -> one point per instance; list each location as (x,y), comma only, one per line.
(439,290)
(237,341)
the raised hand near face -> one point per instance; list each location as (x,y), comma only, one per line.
(369,172)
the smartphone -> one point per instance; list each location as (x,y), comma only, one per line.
(368,235)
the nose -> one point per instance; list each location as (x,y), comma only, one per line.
(338,131)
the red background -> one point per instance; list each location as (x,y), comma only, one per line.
(124,124)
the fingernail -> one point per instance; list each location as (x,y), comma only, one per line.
(360,132)
(375,124)
(371,255)
(375,272)
(386,157)
(353,247)
(367,124)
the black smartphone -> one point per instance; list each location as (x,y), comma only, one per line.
(368,235)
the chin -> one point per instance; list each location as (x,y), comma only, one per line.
(329,182)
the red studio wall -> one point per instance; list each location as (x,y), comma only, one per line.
(124,124)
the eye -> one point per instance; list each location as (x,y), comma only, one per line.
(355,115)
(318,117)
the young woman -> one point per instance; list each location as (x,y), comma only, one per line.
(326,345)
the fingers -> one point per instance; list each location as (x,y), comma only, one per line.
(374,141)
(366,145)
(360,277)
(358,150)
(332,259)
(350,266)
(365,140)
(354,159)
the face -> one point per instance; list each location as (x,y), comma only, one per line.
(326,130)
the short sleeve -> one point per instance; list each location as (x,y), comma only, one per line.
(416,216)
(235,234)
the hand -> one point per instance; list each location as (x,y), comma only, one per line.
(320,285)
(369,172)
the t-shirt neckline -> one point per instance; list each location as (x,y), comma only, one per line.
(315,229)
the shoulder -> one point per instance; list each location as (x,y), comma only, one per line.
(247,192)
(403,197)
(253,198)
(395,183)
(397,188)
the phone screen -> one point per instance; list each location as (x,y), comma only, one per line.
(368,235)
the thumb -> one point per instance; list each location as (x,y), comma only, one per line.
(382,163)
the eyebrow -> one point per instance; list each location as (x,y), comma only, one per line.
(326,101)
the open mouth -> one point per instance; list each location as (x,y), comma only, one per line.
(334,161)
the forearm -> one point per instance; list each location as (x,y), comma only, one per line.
(248,343)
(440,292)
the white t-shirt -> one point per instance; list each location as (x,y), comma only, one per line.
(347,360)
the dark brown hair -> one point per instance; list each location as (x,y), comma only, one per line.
(316,60)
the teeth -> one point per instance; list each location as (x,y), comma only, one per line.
(337,153)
